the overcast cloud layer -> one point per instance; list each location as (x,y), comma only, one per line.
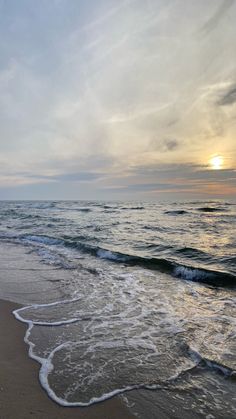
(101,99)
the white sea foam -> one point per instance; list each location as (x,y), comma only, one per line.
(107,254)
(45,323)
(41,239)
(47,366)
(47,363)
(191,274)
(98,338)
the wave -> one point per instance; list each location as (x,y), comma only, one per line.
(117,207)
(155,228)
(153,247)
(132,208)
(210,363)
(211,209)
(189,273)
(78,209)
(176,212)
(231,260)
(41,239)
(193,253)
(83,209)
(177,270)
(42,205)
(108,207)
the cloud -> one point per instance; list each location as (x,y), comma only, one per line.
(219,14)
(163,146)
(68,177)
(78,177)
(102,96)
(228,98)
(174,180)
(171,144)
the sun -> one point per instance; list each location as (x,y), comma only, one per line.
(217,162)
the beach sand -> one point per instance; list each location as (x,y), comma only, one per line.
(21,396)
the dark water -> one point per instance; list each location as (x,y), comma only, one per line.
(144,299)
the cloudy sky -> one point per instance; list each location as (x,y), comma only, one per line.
(108,99)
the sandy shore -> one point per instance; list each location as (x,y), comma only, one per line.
(21,396)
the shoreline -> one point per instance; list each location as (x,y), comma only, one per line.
(21,395)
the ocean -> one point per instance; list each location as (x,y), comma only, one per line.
(135,299)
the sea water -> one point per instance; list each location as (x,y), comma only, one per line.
(130,299)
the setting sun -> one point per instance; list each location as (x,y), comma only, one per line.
(217,162)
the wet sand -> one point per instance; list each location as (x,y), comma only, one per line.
(21,396)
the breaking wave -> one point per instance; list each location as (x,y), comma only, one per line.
(169,266)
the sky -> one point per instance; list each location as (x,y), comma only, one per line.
(108,99)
